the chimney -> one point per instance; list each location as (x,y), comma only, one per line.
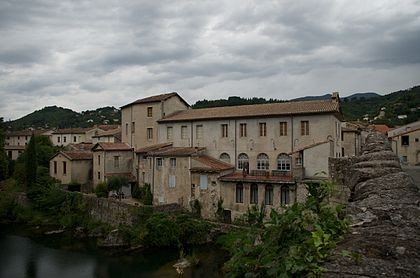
(335,97)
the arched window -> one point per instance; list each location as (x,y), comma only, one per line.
(225,157)
(254,194)
(262,161)
(239,193)
(243,161)
(283,162)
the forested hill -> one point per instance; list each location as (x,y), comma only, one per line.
(356,106)
(58,117)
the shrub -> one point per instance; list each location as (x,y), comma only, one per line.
(74,186)
(101,190)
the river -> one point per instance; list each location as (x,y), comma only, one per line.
(24,253)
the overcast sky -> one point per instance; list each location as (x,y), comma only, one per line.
(89,54)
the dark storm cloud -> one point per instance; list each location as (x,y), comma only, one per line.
(60,52)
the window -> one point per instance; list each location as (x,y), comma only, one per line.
(283,162)
(26,138)
(243,161)
(225,157)
(199,131)
(55,167)
(149,133)
(10,154)
(74,139)
(172,181)
(225,130)
(58,139)
(99,175)
(239,193)
(283,128)
(299,160)
(169,131)
(262,161)
(64,139)
(268,200)
(172,162)
(405,140)
(99,159)
(149,112)
(304,128)
(263,129)
(285,195)
(64,168)
(159,163)
(254,194)
(417,139)
(203,182)
(126,129)
(184,132)
(116,162)
(133,127)
(242,130)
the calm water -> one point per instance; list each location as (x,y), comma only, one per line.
(25,254)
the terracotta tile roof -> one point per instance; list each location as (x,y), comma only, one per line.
(78,155)
(239,177)
(405,132)
(109,132)
(8,147)
(77,130)
(309,146)
(176,151)
(211,163)
(256,110)
(79,147)
(153,147)
(108,127)
(111,147)
(380,128)
(157,98)
(25,132)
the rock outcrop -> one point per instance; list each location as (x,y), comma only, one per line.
(384,238)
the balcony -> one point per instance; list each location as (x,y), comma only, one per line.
(260,176)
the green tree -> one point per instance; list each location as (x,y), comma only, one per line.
(4,162)
(31,162)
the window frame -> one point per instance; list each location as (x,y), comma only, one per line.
(283,128)
(269,195)
(242,130)
(149,112)
(242,161)
(199,132)
(172,162)
(284,162)
(263,129)
(225,130)
(149,133)
(263,161)
(184,132)
(239,193)
(304,128)
(253,194)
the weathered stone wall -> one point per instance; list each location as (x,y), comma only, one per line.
(114,212)
(384,239)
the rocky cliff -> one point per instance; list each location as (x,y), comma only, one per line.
(384,239)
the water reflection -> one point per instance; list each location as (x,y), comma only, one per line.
(63,256)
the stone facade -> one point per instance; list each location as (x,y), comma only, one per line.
(405,143)
(70,167)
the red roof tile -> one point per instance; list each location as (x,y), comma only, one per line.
(79,147)
(309,146)
(211,163)
(78,130)
(157,98)
(109,132)
(112,147)
(153,147)
(256,110)
(78,155)
(380,128)
(108,127)
(176,151)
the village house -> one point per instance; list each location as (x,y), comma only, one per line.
(351,138)
(266,150)
(16,141)
(112,159)
(405,143)
(108,136)
(72,166)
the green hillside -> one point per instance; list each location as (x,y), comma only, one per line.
(58,117)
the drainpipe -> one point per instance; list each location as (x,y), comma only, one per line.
(192,135)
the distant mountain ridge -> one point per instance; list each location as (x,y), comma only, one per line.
(59,117)
(354,107)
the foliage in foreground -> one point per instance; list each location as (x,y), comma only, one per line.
(292,244)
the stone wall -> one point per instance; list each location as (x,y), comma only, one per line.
(384,238)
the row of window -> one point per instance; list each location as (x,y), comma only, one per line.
(268,194)
(283,161)
(242,130)
(65,139)
(64,167)
(203,182)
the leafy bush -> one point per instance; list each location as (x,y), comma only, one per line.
(292,244)
(116,183)
(101,190)
(74,186)
(148,196)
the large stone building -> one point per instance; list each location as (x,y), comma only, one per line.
(405,143)
(245,155)
(16,141)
